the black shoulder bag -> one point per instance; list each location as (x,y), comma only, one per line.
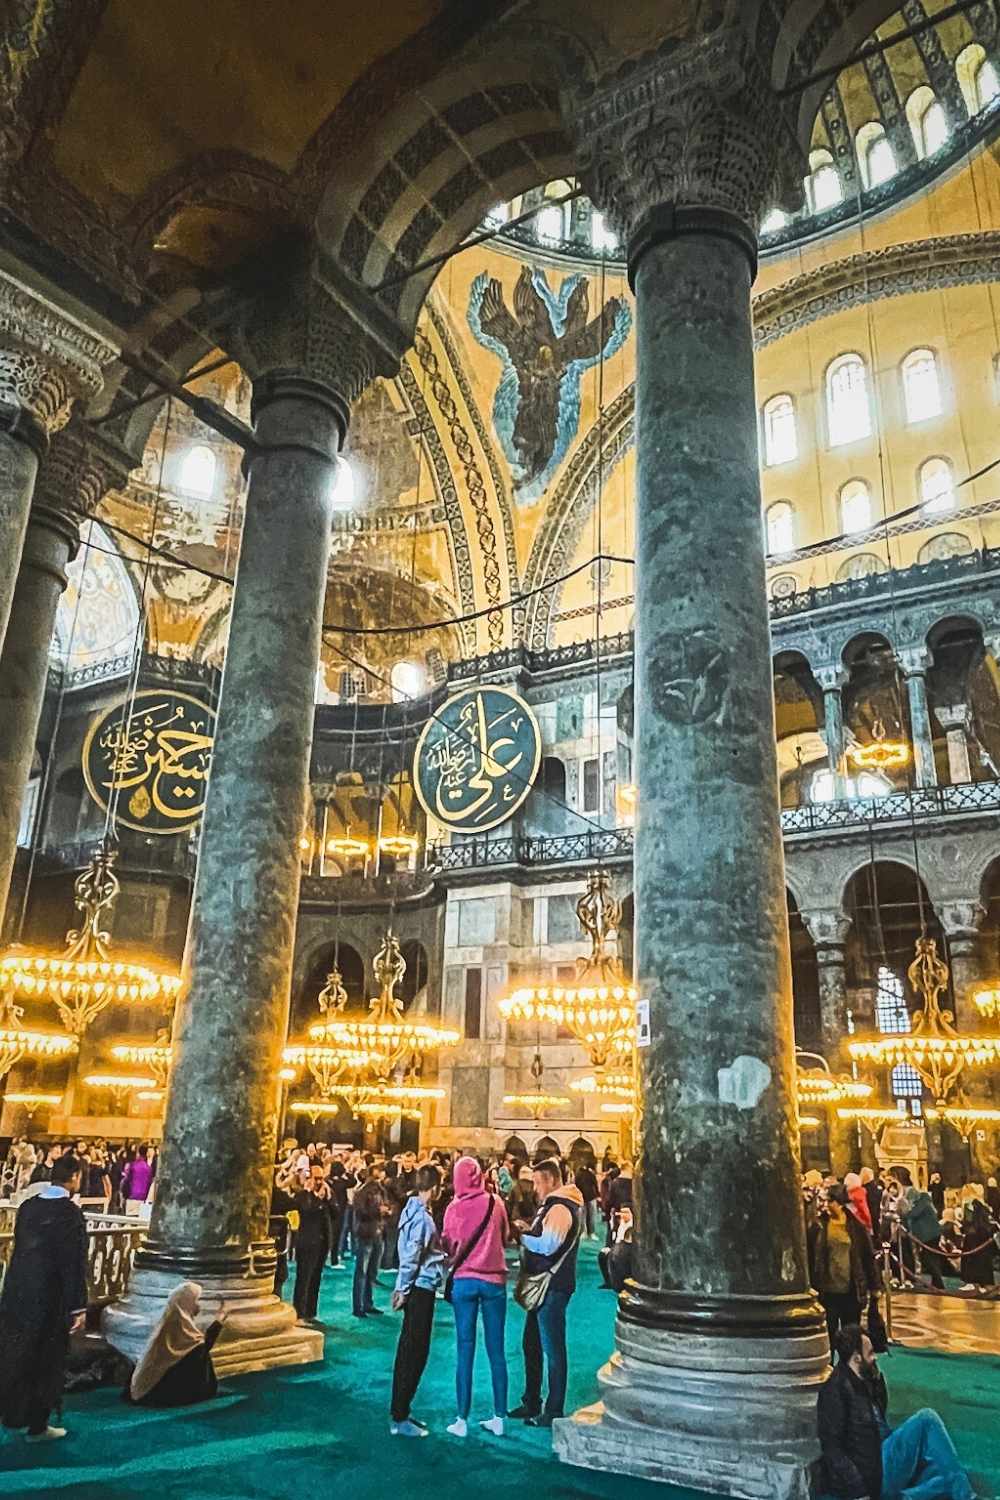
(467,1250)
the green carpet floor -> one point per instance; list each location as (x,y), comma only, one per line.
(322,1430)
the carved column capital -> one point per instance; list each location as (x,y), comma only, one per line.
(694,134)
(829,929)
(314,322)
(47,361)
(961,921)
(831,678)
(913,660)
(80,466)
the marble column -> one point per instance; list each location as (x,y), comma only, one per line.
(962,920)
(48,359)
(914,662)
(720,1344)
(831,680)
(79,467)
(308,360)
(954,720)
(828,929)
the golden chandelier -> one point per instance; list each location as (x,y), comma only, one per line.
(327,1062)
(84,979)
(599,1009)
(933,1047)
(384,1031)
(879,754)
(17,1041)
(964,1117)
(821,1086)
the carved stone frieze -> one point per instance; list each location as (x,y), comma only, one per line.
(694,127)
(47,358)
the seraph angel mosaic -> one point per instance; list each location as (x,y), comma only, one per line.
(545,343)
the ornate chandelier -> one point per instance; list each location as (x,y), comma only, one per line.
(536,1102)
(121,1085)
(933,1047)
(607,1085)
(874,1117)
(384,1030)
(152,1055)
(964,1117)
(821,1086)
(17,1041)
(328,1062)
(84,979)
(879,754)
(600,1008)
(30,1101)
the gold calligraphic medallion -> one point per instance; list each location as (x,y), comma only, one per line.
(151,760)
(477,758)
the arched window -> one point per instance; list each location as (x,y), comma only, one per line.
(602,238)
(406,681)
(823,186)
(945,545)
(780,528)
(344,484)
(977,76)
(775,220)
(891,1014)
(848,410)
(937,487)
(855,506)
(197,472)
(907,1087)
(781,439)
(861,565)
(875,154)
(921,385)
(928,122)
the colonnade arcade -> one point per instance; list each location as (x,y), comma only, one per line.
(683,152)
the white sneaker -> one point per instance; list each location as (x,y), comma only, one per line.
(459,1428)
(494,1425)
(407,1429)
(50,1435)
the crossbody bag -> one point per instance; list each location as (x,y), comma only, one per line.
(533,1286)
(466,1251)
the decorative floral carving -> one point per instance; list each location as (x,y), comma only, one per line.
(79,469)
(696,127)
(47,358)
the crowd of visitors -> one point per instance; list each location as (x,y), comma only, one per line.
(117,1177)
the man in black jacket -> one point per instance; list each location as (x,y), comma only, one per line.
(865,1459)
(44,1301)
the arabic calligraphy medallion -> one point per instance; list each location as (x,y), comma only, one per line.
(476,760)
(153,762)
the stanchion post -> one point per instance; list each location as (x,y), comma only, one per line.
(887,1282)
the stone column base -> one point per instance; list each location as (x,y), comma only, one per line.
(728,1414)
(261,1331)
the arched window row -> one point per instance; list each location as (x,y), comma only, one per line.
(857,514)
(849,406)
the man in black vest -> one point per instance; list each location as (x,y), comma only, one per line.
(44,1301)
(550,1243)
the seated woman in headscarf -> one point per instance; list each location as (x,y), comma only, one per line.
(175,1368)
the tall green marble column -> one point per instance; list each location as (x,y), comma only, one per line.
(79,467)
(720,1344)
(209,1221)
(48,359)
(831,680)
(914,662)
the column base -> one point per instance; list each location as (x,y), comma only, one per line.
(261,1331)
(730,1414)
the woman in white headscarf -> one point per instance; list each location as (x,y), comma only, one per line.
(175,1368)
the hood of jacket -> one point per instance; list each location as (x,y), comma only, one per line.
(468,1177)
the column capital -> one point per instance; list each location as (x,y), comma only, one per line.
(913,660)
(48,359)
(690,140)
(831,678)
(80,466)
(952,715)
(314,323)
(828,927)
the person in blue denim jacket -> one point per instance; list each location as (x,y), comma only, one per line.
(422,1263)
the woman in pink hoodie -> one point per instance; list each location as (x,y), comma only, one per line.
(475,1233)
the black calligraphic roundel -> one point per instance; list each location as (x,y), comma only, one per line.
(477,758)
(150,760)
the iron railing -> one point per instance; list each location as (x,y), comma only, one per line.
(111,1246)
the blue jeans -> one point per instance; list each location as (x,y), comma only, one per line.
(919,1462)
(367,1254)
(545,1334)
(469,1296)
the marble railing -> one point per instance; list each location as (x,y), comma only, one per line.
(111,1245)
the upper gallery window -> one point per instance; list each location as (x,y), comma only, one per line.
(197,473)
(855,506)
(875,154)
(780,521)
(781,438)
(775,220)
(601,236)
(928,121)
(937,487)
(921,385)
(848,409)
(977,76)
(406,681)
(823,186)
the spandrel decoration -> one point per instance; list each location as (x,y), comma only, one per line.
(152,760)
(477,759)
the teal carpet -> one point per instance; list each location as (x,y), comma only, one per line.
(322,1430)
